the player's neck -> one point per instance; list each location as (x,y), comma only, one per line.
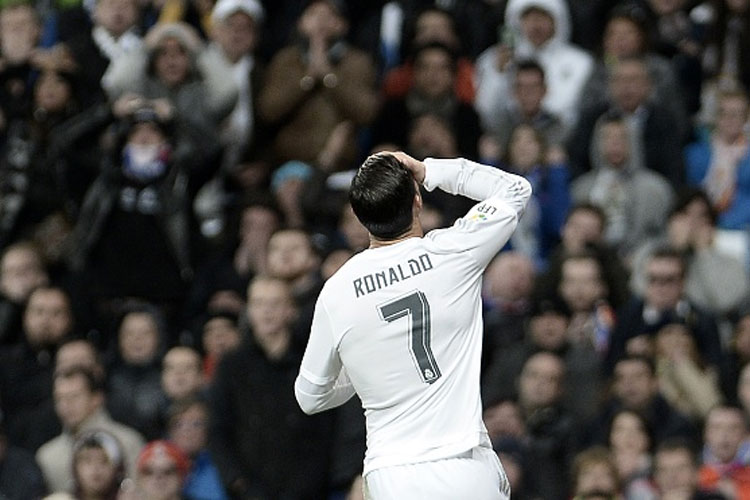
(415,231)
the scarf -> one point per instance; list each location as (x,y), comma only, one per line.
(721,178)
(112,47)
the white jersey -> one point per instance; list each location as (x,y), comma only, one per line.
(401,325)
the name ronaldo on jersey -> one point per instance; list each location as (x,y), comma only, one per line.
(400,272)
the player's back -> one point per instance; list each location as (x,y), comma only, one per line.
(409,338)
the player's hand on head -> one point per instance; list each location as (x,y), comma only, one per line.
(413,165)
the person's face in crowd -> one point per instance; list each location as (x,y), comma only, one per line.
(431,136)
(731,118)
(94,472)
(159,478)
(548,330)
(582,227)
(622,38)
(675,341)
(181,373)
(320,20)
(697,215)
(237,35)
(19,31)
(723,433)
(220,336)
(434,26)
(257,224)
(525,148)
(504,419)
(139,338)
(76,354)
(74,401)
(172,63)
(541,381)
(615,144)
(354,232)
(270,309)
(630,84)
(529,91)
(146,134)
(596,477)
(634,384)
(581,284)
(675,473)
(48,317)
(628,433)
(433,73)
(290,255)
(538,26)
(52,92)
(510,277)
(189,431)
(664,283)
(21,271)
(116,16)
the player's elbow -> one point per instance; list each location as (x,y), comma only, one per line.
(525,188)
(307,402)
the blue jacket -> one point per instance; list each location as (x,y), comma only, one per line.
(698,159)
(203,481)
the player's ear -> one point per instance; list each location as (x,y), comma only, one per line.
(417,206)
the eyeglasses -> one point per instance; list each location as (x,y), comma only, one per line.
(159,471)
(663,279)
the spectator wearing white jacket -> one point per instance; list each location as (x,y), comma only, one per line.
(538,30)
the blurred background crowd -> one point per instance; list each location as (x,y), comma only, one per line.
(173,195)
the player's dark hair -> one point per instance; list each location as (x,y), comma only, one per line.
(381,194)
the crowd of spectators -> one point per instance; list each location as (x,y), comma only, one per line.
(173,195)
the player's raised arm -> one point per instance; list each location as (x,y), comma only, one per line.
(486,228)
(478,182)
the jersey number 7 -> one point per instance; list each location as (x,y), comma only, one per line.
(417,309)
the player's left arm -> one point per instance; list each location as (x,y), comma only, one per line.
(322,382)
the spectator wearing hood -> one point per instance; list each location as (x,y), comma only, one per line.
(538,30)
(175,66)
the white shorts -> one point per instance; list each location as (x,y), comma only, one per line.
(476,475)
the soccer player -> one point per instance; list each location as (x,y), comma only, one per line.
(400,324)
